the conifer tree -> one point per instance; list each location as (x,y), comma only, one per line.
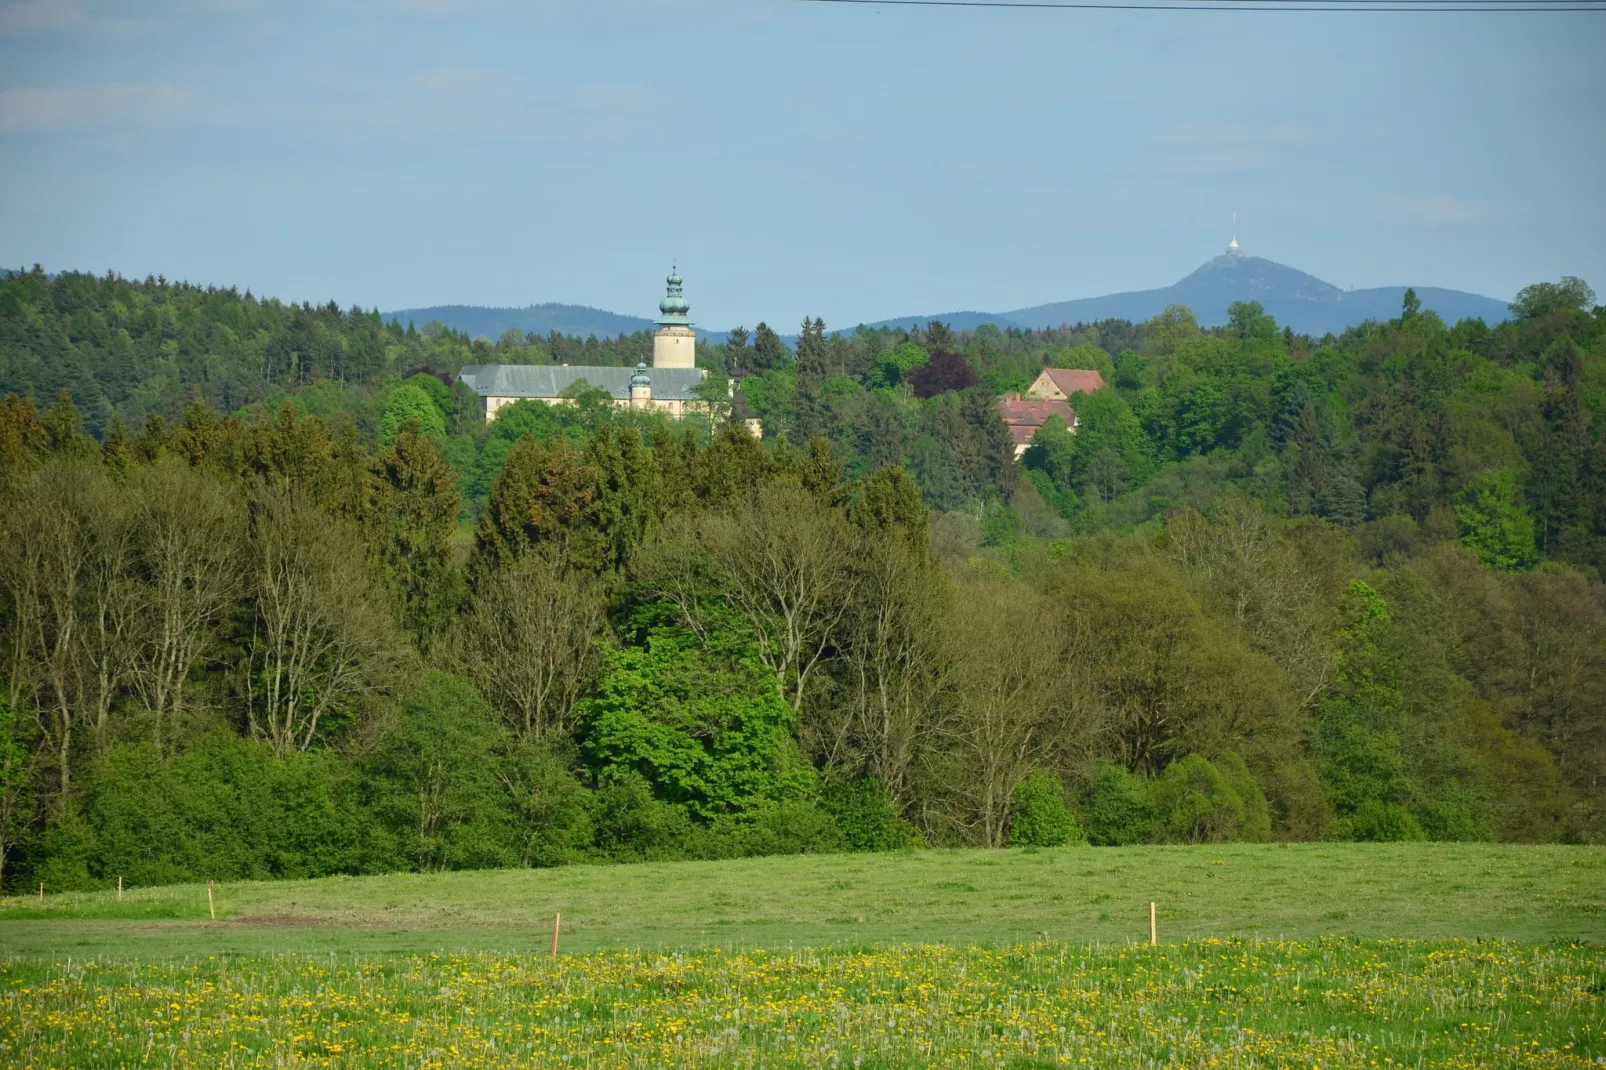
(738,357)
(413,509)
(769,352)
(543,502)
(813,417)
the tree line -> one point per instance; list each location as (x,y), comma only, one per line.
(292,643)
(1495,427)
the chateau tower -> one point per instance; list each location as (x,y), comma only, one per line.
(674,344)
(641,388)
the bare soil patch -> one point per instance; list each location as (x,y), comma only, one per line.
(289,921)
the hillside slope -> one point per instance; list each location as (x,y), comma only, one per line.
(1295,299)
(477,321)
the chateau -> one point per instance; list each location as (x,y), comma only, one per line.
(670,385)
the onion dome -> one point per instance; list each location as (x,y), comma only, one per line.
(641,378)
(674,306)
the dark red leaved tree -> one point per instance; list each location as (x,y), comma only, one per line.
(943,372)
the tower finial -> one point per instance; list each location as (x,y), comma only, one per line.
(674,306)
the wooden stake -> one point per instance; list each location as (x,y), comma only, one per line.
(1154,926)
(211,906)
(41,893)
(557,919)
(119,887)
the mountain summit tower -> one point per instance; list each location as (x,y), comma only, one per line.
(674,344)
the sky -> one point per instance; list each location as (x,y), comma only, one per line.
(795,159)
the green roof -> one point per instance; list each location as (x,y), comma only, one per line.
(551,381)
(674,306)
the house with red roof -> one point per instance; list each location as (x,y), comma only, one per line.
(1061,383)
(1049,395)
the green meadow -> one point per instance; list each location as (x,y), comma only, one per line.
(1081,895)
(1300,955)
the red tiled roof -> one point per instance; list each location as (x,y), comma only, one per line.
(1075,380)
(1017,409)
(1022,434)
(1025,415)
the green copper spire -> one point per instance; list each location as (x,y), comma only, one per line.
(674,306)
(641,378)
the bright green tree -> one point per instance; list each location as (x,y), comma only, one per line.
(705,726)
(894,366)
(1039,816)
(1494,526)
(436,777)
(409,404)
(438,392)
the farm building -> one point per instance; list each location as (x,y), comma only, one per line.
(1049,395)
(1059,384)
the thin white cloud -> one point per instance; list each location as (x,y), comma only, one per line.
(220,7)
(450,8)
(40,16)
(476,81)
(83,107)
(1216,136)
(1220,161)
(613,99)
(481,103)
(1212,148)
(561,10)
(1431,210)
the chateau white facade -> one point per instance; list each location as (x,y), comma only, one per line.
(669,386)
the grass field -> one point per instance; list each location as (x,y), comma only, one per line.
(1310,955)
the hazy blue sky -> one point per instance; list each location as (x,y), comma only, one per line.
(852,163)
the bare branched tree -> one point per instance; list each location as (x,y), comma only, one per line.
(111,604)
(320,642)
(1279,590)
(532,638)
(894,667)
(44,566)
(777,560)
(1007,650)
(66,573)
(189,538)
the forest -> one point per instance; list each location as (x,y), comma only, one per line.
(276,602)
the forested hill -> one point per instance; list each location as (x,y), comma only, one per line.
(492,323)
(276,602)
(1295,299)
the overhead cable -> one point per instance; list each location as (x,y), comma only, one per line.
(1428,7)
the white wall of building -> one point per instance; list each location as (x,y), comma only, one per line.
(674,347)
(672,406)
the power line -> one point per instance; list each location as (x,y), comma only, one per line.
(1428,7)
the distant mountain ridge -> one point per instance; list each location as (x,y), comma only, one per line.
(1295,299)
(477,321)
